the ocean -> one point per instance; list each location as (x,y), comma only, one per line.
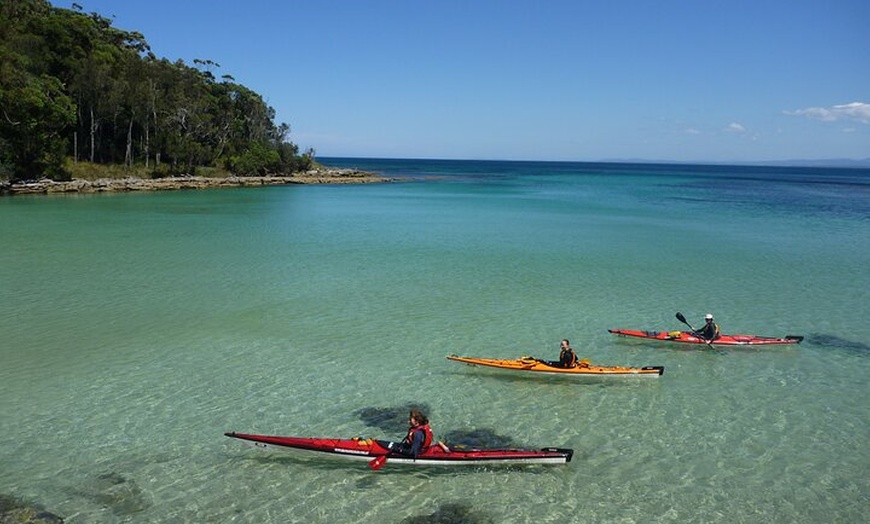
(137,328)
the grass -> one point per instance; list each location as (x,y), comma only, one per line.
(90,171)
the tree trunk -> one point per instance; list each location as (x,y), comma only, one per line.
(147,145)
(128,155)
(93,131)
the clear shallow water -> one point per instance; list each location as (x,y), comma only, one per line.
(137,328)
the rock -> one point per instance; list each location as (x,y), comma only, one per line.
(101,185)
(113,491)
(14,511)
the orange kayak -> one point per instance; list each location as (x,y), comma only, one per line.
(534,366)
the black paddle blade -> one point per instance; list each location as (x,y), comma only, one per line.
(680,317)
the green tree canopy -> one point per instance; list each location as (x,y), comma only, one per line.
(71,85)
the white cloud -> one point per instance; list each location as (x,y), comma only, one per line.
(692,131)
(856,111)
(734,127)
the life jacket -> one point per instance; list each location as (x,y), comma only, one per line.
(709,331)
(427,436)
(572,358)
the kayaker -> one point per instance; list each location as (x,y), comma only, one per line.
(567,357)
(419,436)
(710,331)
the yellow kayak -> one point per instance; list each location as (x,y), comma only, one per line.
(537,366)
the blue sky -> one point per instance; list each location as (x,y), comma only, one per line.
(681,80)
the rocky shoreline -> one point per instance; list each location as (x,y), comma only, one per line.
(109,185)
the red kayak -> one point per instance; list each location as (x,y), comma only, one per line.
(377,452)
(687,337)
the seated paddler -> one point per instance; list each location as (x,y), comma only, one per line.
(710,331)
(567,357)
(419,436)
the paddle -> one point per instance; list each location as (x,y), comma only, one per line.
(682,319)
(379,461)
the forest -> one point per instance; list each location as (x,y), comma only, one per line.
(75,89)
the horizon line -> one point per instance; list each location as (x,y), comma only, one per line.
(830,162)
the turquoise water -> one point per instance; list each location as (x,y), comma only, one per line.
(137,328)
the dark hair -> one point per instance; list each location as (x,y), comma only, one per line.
(418,415)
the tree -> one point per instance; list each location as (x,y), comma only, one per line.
(35,113)
(35,107)
(71,84)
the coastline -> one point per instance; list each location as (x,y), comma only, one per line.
(114,185)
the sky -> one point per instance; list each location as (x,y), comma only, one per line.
(604,80)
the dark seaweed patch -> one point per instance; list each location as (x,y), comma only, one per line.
(16,510)
(392,419)
(833,341)
(478,438)
(113,491)
(452,513)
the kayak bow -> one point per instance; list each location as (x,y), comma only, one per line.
(687,337)
(535,366)
(437,455)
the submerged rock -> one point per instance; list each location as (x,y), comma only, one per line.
(15,511)
(113,491)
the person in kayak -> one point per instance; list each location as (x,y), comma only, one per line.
(419,436)
(710,331)
(567,357)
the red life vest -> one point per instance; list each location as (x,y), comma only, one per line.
(427,436)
